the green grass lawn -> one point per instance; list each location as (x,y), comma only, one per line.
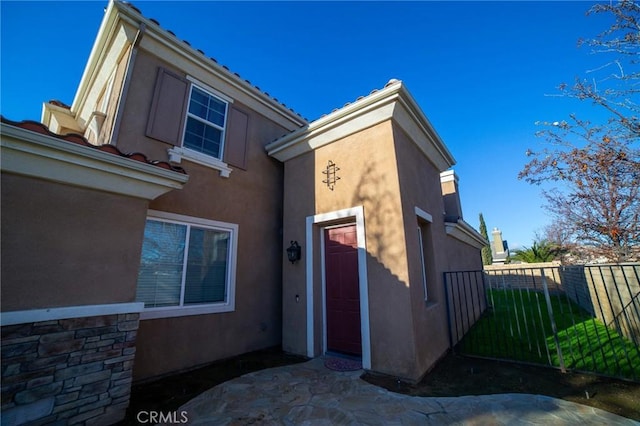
(518,327)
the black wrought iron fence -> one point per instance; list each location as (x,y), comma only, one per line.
(583,318)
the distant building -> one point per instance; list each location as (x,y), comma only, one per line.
(499,248)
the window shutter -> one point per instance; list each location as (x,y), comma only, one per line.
(236,144)
(168,108)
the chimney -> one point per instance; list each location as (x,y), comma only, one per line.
(451,196)
(498,245)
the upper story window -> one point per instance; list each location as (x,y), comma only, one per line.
(199,123)
(206,117)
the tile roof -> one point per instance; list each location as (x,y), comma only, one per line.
(359,98)
(235,74)
(78,139)
(59,104)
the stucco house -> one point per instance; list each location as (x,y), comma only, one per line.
(197,269)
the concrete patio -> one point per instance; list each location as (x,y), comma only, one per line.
(311,394)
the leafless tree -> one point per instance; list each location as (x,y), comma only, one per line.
(598,164)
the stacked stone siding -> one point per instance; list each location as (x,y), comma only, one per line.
(68,371)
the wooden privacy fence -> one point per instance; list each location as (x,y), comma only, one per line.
(584,318)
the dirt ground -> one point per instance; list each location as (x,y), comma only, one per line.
(457,375)
(453,376)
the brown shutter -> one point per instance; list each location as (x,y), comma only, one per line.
(236,144)
(168,108)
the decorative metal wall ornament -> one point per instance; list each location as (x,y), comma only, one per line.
(332,176)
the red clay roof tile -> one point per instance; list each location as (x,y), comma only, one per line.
(359,98)
(78,139)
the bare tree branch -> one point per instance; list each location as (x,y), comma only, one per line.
(598,164)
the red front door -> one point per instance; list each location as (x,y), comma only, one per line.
(343,290)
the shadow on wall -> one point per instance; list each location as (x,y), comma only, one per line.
(379,209)
(392,338)
(614,289)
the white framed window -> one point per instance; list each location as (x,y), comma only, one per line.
(425,253)
(195,119)
(423,263)
(205,123)
(204,130)
(187,266)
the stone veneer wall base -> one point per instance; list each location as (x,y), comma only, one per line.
(68,371)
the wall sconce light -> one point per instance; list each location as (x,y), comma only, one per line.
(294,252)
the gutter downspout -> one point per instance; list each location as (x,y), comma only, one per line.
(142,29)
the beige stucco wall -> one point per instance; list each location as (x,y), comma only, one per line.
(420,187)
(131,133)
(253,200)
(114,97)
(67,246)
(368,178)
(382,170)
(299,202)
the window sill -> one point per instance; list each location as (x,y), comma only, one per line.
(177,154)
(183,311)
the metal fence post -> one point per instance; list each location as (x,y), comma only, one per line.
(446,292)
(553,322)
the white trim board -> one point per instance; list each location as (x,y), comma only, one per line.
(424,215)
(393,102)
(464,232)
(67,312)
(358,214)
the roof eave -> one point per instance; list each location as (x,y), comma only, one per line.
(391,103)
(464,232)
(28,153)
(427,128)
(105,32)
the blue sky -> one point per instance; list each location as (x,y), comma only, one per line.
(481,71)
